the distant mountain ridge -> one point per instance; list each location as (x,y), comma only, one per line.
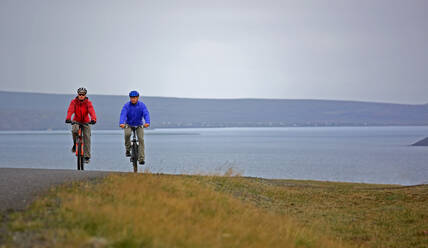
(38,111)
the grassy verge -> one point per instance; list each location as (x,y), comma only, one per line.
(360,214)
(147,210)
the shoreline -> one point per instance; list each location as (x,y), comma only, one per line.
(152,129)
(220,174)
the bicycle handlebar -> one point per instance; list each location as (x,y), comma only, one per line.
(135,127)
(80,123)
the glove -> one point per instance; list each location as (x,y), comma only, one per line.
(67,121)
(146,125)
(93,122)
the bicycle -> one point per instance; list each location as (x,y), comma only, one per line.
(134,147)
(80,144)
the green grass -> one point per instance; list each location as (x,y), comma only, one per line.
(147,210)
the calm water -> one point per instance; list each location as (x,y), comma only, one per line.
(353,154)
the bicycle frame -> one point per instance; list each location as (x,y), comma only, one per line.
(79,145)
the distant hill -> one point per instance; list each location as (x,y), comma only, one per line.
(35,111)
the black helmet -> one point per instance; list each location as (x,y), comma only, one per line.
(82,90)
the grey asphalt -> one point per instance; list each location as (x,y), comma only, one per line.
(19,187)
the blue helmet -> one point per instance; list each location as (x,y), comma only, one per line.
(134,93)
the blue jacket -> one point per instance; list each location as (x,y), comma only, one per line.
(132,114)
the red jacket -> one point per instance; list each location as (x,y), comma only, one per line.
(81,109)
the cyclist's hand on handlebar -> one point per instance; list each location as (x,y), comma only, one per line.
(67,121)
(93,122)
(122,125)
(146,125)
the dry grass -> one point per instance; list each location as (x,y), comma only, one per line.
(360,214)
(147,210)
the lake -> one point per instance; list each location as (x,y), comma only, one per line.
(350,154)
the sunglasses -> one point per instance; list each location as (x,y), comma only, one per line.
(82,94)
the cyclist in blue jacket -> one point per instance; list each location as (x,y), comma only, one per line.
(132,114)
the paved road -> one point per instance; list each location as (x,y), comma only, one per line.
(18,187)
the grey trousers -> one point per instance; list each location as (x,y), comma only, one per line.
(140,135)
(86,138)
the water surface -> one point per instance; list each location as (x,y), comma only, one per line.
(353,154)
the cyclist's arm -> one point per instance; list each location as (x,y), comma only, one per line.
(91,111)
(70,110)
(123,115)
(146,114)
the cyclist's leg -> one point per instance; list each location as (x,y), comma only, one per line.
(74,132)
(128,132)
(140,134)
(86,141)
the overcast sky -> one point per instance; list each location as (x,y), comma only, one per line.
(369,50)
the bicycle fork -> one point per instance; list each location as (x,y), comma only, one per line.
(79,147)
(134,147)
(79,150)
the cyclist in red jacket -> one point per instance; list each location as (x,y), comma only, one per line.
(81,107)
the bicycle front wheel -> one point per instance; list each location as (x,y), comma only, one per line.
(82,163)
(135,157)
(79,156)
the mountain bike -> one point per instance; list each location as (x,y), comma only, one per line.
(79,145)
(134,148)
